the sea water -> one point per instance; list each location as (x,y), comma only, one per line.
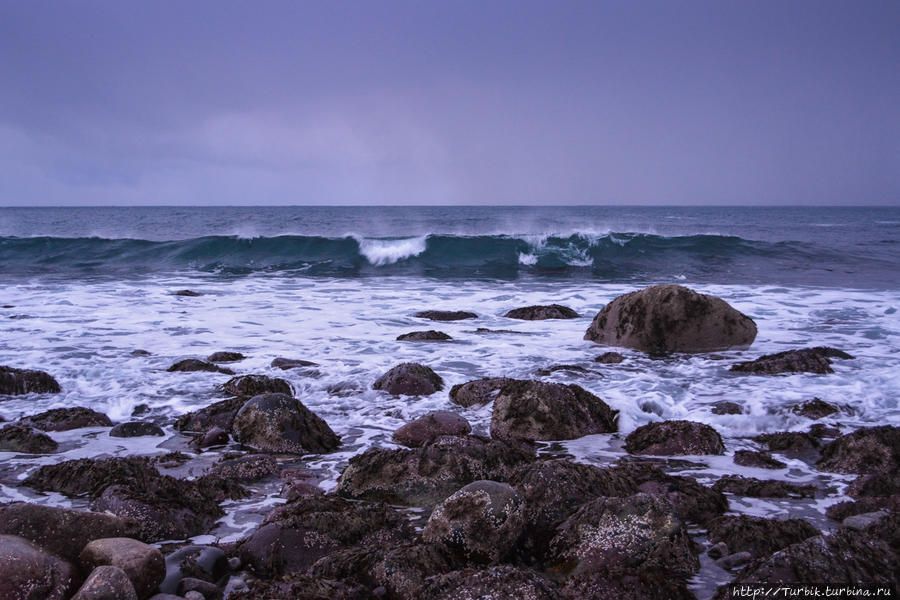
(82,288)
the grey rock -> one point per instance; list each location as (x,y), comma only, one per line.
(733,561)
(430,426)
(106,583)
(279,423)
(22,438)
(480,391)
(14,382)
(192,364)
(144,565)
(445,315)
(410,379)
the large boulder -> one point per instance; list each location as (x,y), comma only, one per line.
(639,532)
(64,419)
(495,583)
(14,382)
(480,391)
(537,410)
(639,585)
(482,521)
(866,450)
(410,379)
(806,360)
(539,313)
(669,438)
(29,573)
(61,531)
(671,318)
(280,423)
(144,565)
(22,438)
(756,535)
(430,426)
(218,414)
(846,557)
(254,385)
(427,475)
(691,500)
(106,583)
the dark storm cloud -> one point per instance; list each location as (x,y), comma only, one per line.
(449,102)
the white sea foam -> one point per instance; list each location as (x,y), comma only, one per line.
(386,252)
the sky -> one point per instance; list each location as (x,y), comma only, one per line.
(216,102)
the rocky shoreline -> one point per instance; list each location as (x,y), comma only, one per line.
(453,514)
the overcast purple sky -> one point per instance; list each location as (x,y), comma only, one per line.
(449,102)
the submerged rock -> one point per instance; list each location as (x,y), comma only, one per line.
(280,423)
(670,318)
(136,429)
(725,407)
(225,356)
(424,336)
(29,573)
(538,313)
(691,500)
(482,521)
(763,488)
(65,419)
(609,358)
(430,426)
(791,443)
(218,414)
(410,379)
(445,315)
(61,531)
(495,583)
(248,468)
(425,476)
(759,460)
(806,360)
(292,363)
(760,537)
(144,565)
(668,438)
(567,368)
(204,563)
(649,583)
(22,438)
(193,364)
(254,385)
(14,382)
(187,293)
(480,391)
(639,532)
(866,450)
(536,410)
(814,409)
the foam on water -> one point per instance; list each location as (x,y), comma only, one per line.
(386,252)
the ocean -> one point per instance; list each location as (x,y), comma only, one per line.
(82,288)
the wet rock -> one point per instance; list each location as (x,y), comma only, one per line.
(757,536)
(791,443)
(219,414)
(65,419)
(718,550)
(617,534)
(254,385)
(225,356)
(759,460)
(821,431)
(22,438)
(670,318)
(480,391)
(162,506)
(651,583)
(866,450)
(61,531)
(403,570)
(554,489)
(609,358)
(430,426)
(805,360)
(814,409)
(216,436)
(427,475)
(410,379)
(187,293)
(863,521)
(300,587)
(568,369)
(135,429)
(106,583)
(494,583)
(29,573)
(482,521)
(140,352)
(885,527)
(445,315)
(279,423)
(885,483)
(838,559)
(140,409)
(207,590)
(204,563)
(842,510)
(246,468)
(733,561)
(536,410)
(424,336)
(724,407)
(538,313)
(144,565)
(292,363)
(14,382)
(692,501)
(763,488)
(670,438)
(193,364)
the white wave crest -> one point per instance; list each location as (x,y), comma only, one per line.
(387,252)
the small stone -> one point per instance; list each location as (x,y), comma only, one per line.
(814,409)
(234,563)
(430,426)
(718,550)
(187,293)
(216,436)
(194,595)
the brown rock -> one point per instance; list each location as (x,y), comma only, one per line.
(759,460)
(445,315)
(225,356)
(22,438)
(806,360)
(424,336)
(668,438)
(480,391)
(254,385)
(14,382)
(866,450)
(65,419)
(144,565)
(193,364)
(279,423)
(763,488)
(538,313)
(410,379)
(106,583)
(29,573)
(430,426)
(760,537)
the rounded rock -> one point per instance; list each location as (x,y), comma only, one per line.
(279,423)
(143,564)
(410,379)
(106,583)
(29,573)
(430,426)
(671,438)
(135,429)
